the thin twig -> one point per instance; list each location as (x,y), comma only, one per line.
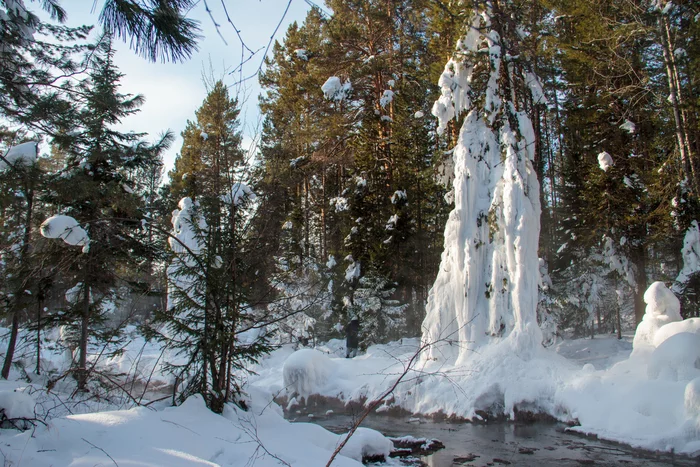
(105,452)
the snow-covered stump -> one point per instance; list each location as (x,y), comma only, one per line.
(486,289)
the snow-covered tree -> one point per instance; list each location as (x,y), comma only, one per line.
(486,288)
(99,205)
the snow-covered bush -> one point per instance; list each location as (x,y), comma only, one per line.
(662,308)
(306,371)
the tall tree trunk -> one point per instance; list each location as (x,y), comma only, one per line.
(39,305)
(19,293)
(84,333)
(675,96)
(639,260)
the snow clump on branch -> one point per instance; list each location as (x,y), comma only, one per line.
(22,154)
(605,161)
(67,229)
(334,89)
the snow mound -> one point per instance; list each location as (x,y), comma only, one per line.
(66,228)
(180,436)
(306,371)
(366,442)
(690,325)
(676,359)
(22,154)
(662,308)
(17,404)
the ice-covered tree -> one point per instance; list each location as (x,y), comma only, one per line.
(486,288)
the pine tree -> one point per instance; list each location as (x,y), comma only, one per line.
(212,275)
(346,133)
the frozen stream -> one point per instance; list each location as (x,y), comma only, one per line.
(496,444)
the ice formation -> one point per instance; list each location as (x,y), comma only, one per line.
(486,289)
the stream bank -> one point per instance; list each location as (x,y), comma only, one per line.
(498,443)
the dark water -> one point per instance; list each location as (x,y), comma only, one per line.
(499,444)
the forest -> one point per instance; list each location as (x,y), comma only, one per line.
(339,210)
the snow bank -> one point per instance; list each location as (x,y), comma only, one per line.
(649,400)
(66,228)
(183,436)
(306,372)
(16,404)
(22,154)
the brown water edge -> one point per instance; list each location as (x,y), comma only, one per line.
(316,402)
(532,439)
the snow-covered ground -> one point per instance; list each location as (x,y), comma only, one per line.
(108,428)
(187,435)
(643,390)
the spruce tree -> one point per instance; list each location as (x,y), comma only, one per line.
(96,187)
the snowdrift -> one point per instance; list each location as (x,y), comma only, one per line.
(187,435)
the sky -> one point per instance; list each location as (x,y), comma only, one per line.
(173,91)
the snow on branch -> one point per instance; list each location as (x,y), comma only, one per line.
(67,229)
